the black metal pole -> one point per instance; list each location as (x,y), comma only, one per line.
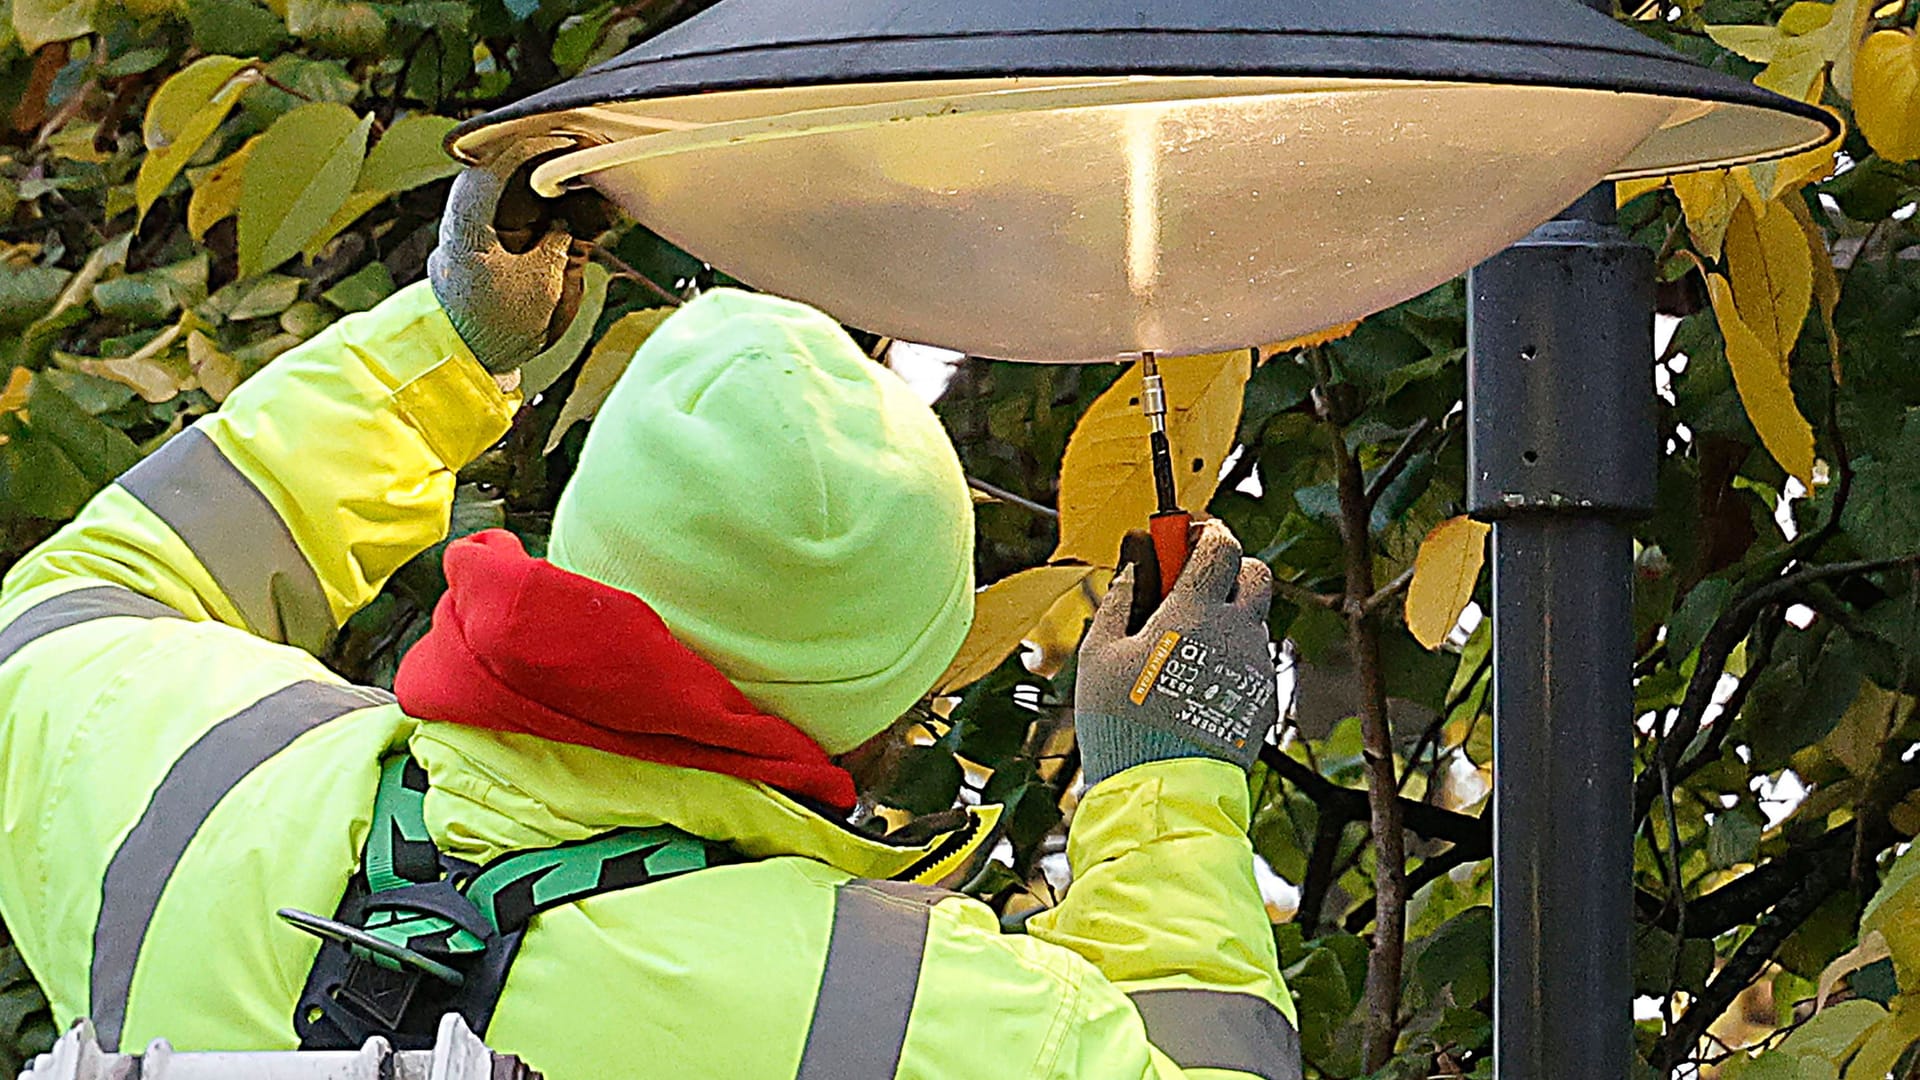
(1561,456)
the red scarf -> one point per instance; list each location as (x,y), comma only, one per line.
(519,644)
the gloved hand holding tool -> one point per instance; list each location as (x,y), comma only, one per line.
(509,266)
(1193,677)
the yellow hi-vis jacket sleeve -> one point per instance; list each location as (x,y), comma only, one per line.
(1164,904)
(170,615)
(286,511)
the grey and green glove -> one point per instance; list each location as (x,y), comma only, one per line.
(1197,678)
(509,265)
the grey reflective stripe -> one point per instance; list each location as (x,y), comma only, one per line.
(237,535)
(1218,1029)
(74,608)
(866,992)
(197,782)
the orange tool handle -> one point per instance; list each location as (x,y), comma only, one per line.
(1170,544)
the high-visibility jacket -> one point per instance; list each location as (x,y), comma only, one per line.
(177,766)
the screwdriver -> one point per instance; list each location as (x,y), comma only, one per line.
(1169,525)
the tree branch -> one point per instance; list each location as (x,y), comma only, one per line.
(1746,964)
(1385,962)
(1426,874)
(1391,470)
(1801,881)
(1301,596)
(1471,834)
(1727,633)
(1006,496)
(1318,880)
(1386,593)
(624,269)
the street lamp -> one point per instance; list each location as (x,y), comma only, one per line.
(1074,180)
(1068,180)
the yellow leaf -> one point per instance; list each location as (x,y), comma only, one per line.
(1756,43)
(13,397)
(1308,341)
(1809,38)
(1888,1040)
(1826,283)
(1003,612)
(1872,947)
(1626,191)
(1106,482)
(1805,17)
(1761,378)
(1749,187)
(183,114)
(148,379)
(215,371)
(1708,199)
(1886,97)
(218,194)
(1894,912)
(1444,574)
(604,366)
(1848,27)
(1057,634)
(1771,271)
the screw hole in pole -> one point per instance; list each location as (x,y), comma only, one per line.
(1531,457)
(1529,354)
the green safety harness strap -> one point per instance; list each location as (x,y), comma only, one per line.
(420,933)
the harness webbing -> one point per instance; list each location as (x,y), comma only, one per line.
(420,933)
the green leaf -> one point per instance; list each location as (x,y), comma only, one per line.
(1654,967)
(138,61)
(1031,811)
(156,294)
(240,27)
(301,171)
(1734,837)
(1459,955)
(1689,625)
(1836,1031)
(604,367)
(926,780)
(410,154)
(28,293)
(1325,999)
(183,114)
(53,455)
(256,299)
(990,725)
(363,289)
(92,393)
(1883,517)
(38,22)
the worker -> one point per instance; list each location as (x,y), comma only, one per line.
(606,817)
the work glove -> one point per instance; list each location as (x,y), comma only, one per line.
(1194,678)
(508,269)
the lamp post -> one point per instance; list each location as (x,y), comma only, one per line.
(1101,178)
(1561,454)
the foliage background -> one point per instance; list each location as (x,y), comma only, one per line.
(190,187)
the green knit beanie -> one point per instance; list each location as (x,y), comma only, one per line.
(793,512)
